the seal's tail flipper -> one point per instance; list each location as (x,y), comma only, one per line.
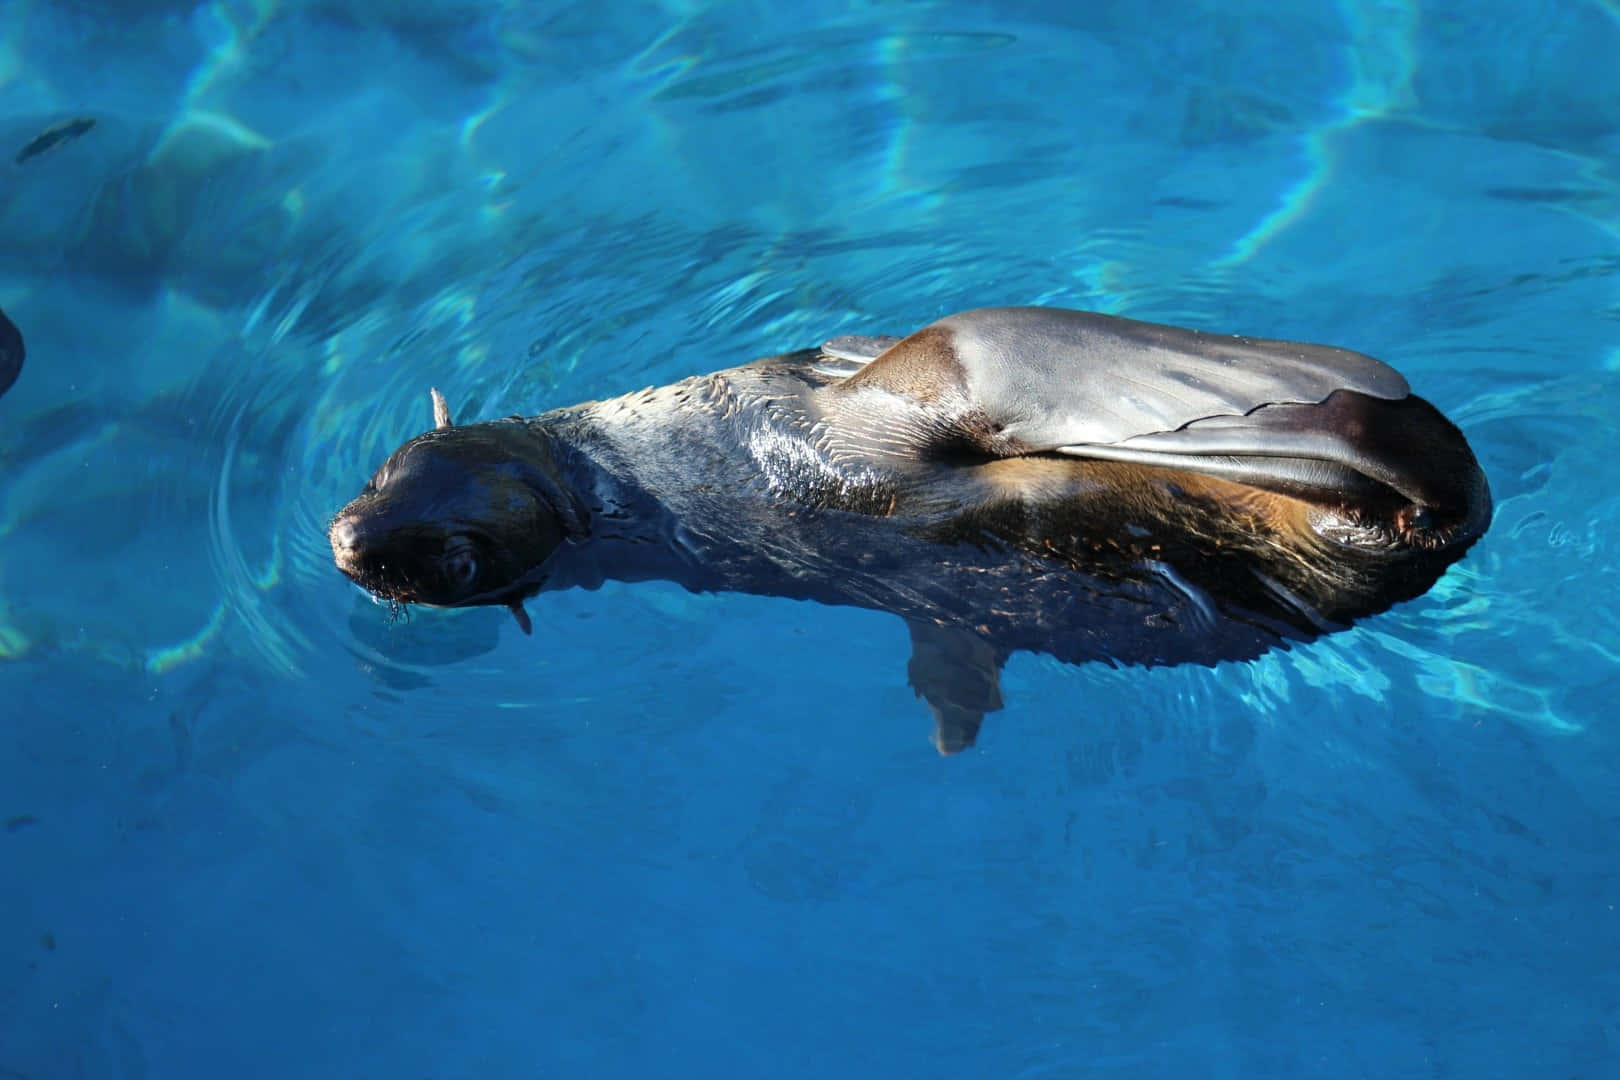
(11,353)
(959,674)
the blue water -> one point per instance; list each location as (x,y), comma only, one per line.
(253,830)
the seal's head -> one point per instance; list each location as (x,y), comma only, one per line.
(457,516)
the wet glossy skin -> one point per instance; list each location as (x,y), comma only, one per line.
(780,478)
(456,517)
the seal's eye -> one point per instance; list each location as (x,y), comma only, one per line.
(461,567)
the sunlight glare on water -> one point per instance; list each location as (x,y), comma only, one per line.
(256,828)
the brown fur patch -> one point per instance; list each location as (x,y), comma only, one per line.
(923,366)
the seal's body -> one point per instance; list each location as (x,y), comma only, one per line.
(1011,478)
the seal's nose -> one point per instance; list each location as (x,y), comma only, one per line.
(344,535)
(348,544)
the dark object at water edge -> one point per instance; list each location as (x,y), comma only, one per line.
(11,353)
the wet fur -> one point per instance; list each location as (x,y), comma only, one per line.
(777,490)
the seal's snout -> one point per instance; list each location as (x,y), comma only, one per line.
(352,546)
(345,538)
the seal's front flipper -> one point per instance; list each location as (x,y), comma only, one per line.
(11,353)
(959,674)
(522,617)
(1010,381)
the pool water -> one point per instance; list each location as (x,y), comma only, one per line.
(254,829)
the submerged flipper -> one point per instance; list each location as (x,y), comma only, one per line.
(959,674)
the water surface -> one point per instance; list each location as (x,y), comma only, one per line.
(252,829)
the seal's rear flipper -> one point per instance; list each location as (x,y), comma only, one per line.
(959,674)
(1349,448)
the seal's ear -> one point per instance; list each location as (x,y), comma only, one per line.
(441,410)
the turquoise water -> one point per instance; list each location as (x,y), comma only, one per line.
(254,830)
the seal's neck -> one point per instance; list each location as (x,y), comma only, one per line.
(626,534)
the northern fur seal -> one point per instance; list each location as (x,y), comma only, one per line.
(1010,478)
